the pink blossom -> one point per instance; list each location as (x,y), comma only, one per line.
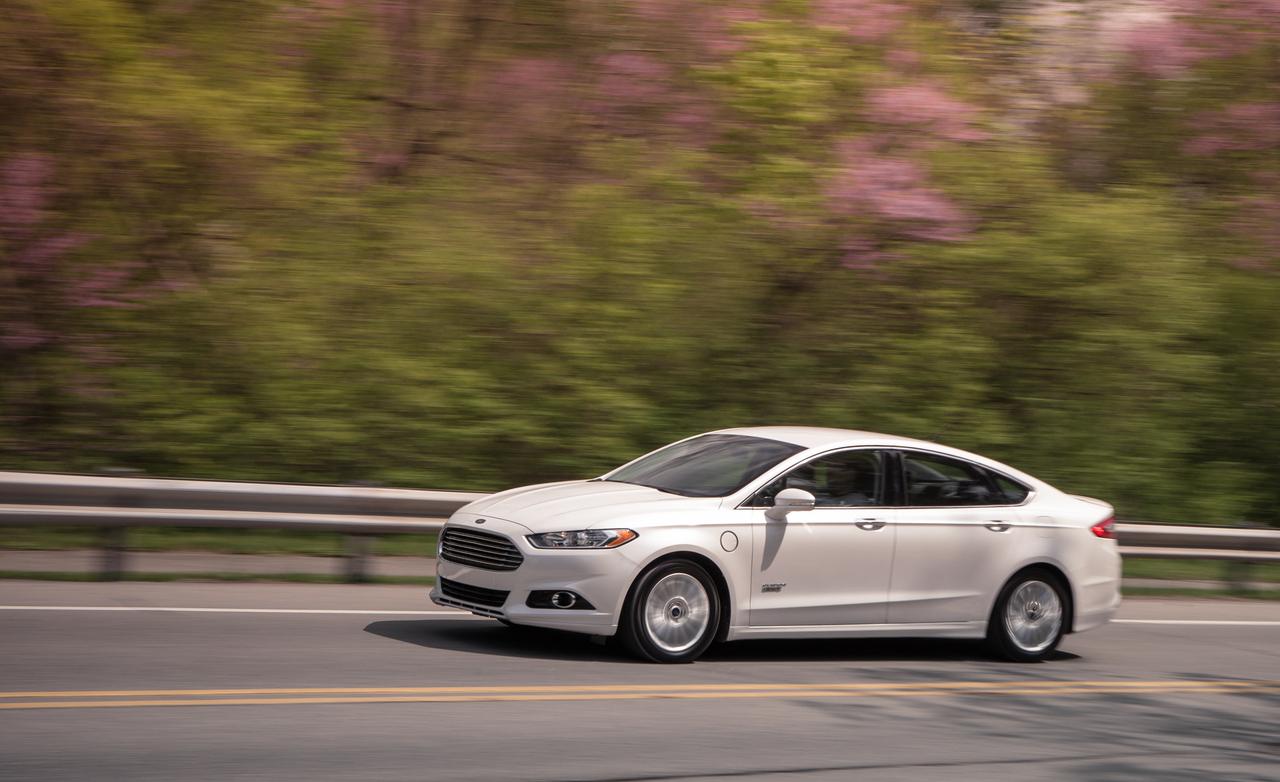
(1162,49)
(694,121)
(1165,38)
(393,12)
(656,10)
(39,255)
(710,27)
(629,85)
(864,253)
(526,98)
(1241,127)
(1249,21)
(95,354)
(24,193)
(926,107)
(528,88)
(903,59)
(866,21)
(105,287)
(390,159)
(534,77)
(633,78)
(717,31)
(893,191)
(23,336)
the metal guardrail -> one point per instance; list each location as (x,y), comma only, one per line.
(115,504)
(26,488)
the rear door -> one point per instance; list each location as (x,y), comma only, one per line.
(958,536)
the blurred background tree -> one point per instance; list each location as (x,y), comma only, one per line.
(477,243)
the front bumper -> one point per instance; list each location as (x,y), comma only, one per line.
(602,576)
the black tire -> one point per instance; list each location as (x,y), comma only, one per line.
(682,619)
(1031,628)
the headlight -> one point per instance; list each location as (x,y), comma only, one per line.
(583,538)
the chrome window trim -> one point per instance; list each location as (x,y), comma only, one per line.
(1032,492)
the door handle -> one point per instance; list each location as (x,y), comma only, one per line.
(870,524)
(997,526)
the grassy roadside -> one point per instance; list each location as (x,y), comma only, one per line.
(1195,570)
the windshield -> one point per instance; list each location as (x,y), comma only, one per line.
(713,465)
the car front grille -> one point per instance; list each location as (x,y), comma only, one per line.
(485,550)
(493,598)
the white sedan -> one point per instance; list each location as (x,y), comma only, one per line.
(789,532)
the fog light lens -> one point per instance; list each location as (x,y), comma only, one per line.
(563,599)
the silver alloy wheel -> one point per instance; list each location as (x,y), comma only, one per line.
(1033,616)
(677,612)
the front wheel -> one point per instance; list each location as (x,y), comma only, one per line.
(672,613)
(1028,620)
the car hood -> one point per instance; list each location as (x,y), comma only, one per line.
(550,507)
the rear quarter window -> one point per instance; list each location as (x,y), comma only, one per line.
(1009,490)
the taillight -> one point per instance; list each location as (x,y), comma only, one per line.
(1105,529)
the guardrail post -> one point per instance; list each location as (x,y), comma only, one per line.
(356,561)
(113,542)
(1238,575)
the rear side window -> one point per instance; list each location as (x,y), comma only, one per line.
(941,481)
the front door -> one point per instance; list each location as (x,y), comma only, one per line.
(830,565)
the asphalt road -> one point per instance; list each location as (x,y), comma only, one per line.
(329,683)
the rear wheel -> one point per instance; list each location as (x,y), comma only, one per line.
(1029,617)
(672,613)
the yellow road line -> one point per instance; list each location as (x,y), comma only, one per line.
(677,693)
(588,688)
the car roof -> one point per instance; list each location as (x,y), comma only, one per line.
(825,437)
(819,437)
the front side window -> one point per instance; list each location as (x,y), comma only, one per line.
(937,481)
(847,479)
(713,465)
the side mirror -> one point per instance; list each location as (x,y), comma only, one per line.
(789,500)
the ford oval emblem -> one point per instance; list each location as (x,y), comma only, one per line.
(479,521)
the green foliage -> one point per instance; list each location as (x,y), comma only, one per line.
(445,245)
